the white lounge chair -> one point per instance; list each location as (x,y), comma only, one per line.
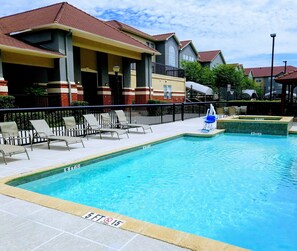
(123,122)
(8,150)
(93,125)
(11,134)
(43,131)
(71,128)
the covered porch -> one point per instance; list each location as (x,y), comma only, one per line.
(288,96)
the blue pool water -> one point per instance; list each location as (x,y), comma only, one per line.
(237,189)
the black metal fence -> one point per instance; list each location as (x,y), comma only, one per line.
(142,114)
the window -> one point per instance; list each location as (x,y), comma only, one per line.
(167,91)
(172,56)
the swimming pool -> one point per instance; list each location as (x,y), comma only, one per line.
(237,189)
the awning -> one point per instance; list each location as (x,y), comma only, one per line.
(202,89)
(249,91)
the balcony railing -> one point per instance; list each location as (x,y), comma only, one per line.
(167,70)
(164,70)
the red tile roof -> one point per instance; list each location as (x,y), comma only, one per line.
(247,71)
(288,77)
(125,27)
(208,56)
(183,44)
(68,17)
(166,36)
(259,72)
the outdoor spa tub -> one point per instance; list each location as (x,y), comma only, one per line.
(273,125)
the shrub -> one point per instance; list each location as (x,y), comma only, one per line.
(79,103)
(7,102)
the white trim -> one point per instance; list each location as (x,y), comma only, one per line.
(87,69)
(61,90)
(128,91)
(3,88)
(104,92)
(57,90)
(58,82)
(142,92)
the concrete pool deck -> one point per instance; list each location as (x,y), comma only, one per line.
(25,225)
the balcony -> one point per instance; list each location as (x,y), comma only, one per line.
(167,70)
(164,70)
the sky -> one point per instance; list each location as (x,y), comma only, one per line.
(239,28)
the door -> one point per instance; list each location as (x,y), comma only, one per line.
(115,83)
(89,83)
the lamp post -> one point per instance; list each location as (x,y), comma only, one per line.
(273,35)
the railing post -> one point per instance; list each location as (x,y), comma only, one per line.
(173,112)
(161,114)
(182,111)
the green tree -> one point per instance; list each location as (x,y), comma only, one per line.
(228,75)
(192,70)
(206,77)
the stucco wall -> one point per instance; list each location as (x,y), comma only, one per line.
(158,82)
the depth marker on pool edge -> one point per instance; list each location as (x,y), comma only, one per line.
(106,220)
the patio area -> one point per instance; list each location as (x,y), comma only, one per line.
(29,226)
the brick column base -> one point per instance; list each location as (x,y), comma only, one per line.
(3,88)
(142,95)
(59,93)
(80,92)
(104,95)
(128,96)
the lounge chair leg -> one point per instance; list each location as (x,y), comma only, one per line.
(27,154)
(4,159)
(67,145)
(82,143)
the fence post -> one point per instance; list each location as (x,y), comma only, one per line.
(182,111)
(173,112)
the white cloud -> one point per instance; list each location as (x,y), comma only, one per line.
(240,28)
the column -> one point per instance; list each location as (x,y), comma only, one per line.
(128,92)
(62,87)
(103,89)
(143,91)
(3,83)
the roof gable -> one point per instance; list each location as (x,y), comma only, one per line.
(184,44)
(209,56)
(68,17)
(165,37)
(11,44)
